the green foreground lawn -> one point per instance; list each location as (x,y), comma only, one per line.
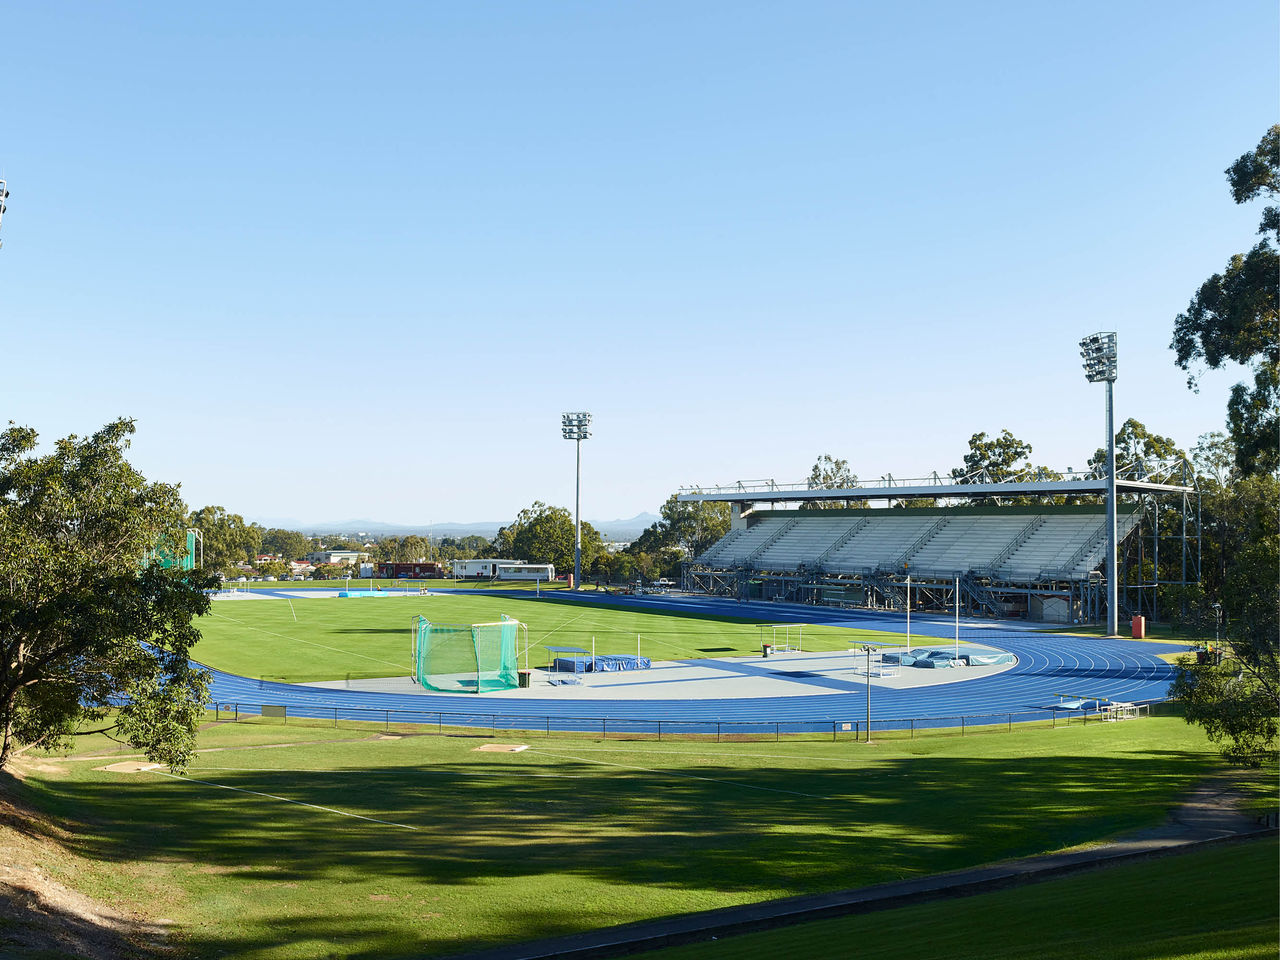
(1217,904)
(483,847)
(333,639)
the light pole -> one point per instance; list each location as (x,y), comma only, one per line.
(1099,353)
(867,650)
(576,427)
(957,616)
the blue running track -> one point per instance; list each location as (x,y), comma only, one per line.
(1048,665)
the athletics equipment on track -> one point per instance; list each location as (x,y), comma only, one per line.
(466,658)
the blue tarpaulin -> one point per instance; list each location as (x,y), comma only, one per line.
(602,664)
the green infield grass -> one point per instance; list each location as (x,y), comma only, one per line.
(302,841)
(1213,904)
(328,638)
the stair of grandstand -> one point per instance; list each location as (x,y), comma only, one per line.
(880,541)
(1067,547)
(965,543)
(711,556)
(735,550)
(803,543)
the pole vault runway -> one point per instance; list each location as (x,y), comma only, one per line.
(1048,666)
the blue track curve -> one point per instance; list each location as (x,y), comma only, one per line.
(1048,665)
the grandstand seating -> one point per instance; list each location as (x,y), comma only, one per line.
(738,547)
(803,543)
(1013,544)
(881,542)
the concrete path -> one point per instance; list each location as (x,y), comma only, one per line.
(1209,816)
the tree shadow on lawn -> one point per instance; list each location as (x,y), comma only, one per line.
(735,834)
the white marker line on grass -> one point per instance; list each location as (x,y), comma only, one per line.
(703,753)
(553,630)
(685,650)
(561,627)
(429,773)
(349,653)
(686,776)
(271,796)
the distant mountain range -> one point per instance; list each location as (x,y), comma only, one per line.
(627,529)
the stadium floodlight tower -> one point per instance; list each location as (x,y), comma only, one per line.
(576,427)
(1099,353)
(4,195)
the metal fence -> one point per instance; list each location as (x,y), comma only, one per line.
(622,728)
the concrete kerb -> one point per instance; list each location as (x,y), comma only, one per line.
(733,921)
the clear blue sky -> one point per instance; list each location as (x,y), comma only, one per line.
(354,260)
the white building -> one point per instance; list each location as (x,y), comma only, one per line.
(337,556)
(502,570)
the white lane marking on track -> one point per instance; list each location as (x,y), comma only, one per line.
(271,633)
(272,796)
(684,776)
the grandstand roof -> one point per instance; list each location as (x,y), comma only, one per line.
(1171,477)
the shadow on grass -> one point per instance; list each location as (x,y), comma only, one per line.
(686,830)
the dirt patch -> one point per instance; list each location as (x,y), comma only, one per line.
(501,748)
(39,913)
(130,766)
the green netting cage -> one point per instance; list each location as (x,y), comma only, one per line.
(466,658)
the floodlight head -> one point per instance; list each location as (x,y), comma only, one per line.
(574,426)
(1098,351)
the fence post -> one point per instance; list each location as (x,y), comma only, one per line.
(717,731)
(777,732)
(659,731)
(388,721)
(1010,723)
(833,731)
(493,722)
(237,710)
(439,724)
(962,726)
(604,728)
(913,728)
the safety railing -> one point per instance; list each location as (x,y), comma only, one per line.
(624,728)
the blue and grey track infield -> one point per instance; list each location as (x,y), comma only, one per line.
(1049,666)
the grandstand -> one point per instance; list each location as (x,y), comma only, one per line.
(1039,559)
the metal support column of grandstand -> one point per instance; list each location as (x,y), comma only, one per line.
(977,596)
(1143,584)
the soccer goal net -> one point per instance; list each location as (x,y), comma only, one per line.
(466,658)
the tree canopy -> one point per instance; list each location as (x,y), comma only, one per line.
(1238,599)
(228,540)
(1233,318)
(1134,442)
(85,621)
(829,473)
(1001,457)
(544,534)
(289,544)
